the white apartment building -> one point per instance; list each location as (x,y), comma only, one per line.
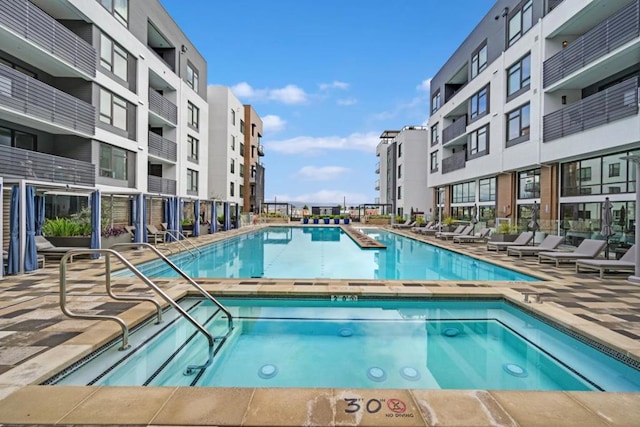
(226,142)
(539,104)
(403,177)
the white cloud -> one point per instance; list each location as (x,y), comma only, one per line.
(326,197)
(347,101)
(312,145)
(334,85)
(272,124)
(321,173)
(424,86)
(290,94)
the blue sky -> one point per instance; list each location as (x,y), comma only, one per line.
(327,77)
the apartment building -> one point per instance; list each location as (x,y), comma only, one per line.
(402,184)
(539,104)
(105,95)
(253,151)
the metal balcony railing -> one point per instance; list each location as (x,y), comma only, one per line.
(454,162)
(614,103)
(454,130)
(162,147)
(163,107)
(33,25)
(26,164)
(30,97)
(156,184)
(594,44)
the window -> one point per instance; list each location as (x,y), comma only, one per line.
(520,22)
(113,162)
(399,150)
(242,126)
(193,116)
(241,191)
(233,142)
(614,169)
(241,170)
(399,192)
(478,142)
(585,174)
(487,190)
(193,147)
(399,171)
(478,103)
(17,139)
(233,117)
(435,102)
(113,110)
(434,161)
(113,57)
(232,189)
(192,180)
(519,76)
(435,135)
(242,148)
(518,125)
(192,77)
(529,184)
(479,60)
(118,8)
(464,192)
(233,166)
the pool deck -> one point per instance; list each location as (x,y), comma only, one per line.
(37,340)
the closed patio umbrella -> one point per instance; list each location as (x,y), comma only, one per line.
(535,214)
(607,224)
(474,217)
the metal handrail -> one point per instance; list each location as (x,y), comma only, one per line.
(177,234)
(184,275)
(125,330)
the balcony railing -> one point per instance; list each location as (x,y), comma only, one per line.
(454,162)
(162,147)
(378,168)
(260,150)
(377,185)
(26,164)
(597,42)
(30,97)
(156,184)
(454,130)
(614,103)
(34,25)
(163,107)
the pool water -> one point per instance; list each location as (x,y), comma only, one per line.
(329,253)
(361,344)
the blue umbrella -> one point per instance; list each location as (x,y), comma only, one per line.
(30,252)
(95,222)
(227,216)
(13,263)
(214,218)
(39,214)
(196,221)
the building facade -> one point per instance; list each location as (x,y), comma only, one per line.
(540,105)
(253,191)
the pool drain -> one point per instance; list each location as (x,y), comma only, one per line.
(409,373)
(376,374)
(268,371)
(345,332)
(451,332)
(515,370)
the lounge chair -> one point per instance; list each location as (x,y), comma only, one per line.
(158,236)
(588,249)
(523,239)
(550,243)
(626,263)
(427,226)
(480,236)
(407,224)
(47,249)
(5,260)
(431,231)
(446,235)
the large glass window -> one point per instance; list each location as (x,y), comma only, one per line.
(529,184)
(232,189)
(464,192)
(487,190)
(241,170)
(233,166)
(478,142)
(435,135)
(17,139)
(519,76)
(599,175)
(193,148)
(479,60)
(435,102)
(520,22)
(113,57)
(518,125)
(478,103)
(192,77)
(434,161)
(192,180)
(193,116)
(113,162)
(113,109)
(242,126)
(118,8)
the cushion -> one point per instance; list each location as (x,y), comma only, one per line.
(43,244)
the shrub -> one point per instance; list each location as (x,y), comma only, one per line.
(61,227)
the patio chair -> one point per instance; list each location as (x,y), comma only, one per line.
(550,243)
(5,260)
(626,263)
(523,239)
(480,236)
(588,249)
(427,226)
(158,236)
(446,235)
(48,250)
(407,224)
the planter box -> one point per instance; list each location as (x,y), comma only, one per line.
(305,220)
(71,242)
(379,221)
(336,220)
(346,220)
(326,220)
(107,242)
(316,220)
(504,237)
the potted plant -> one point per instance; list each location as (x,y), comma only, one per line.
(346,219)
(316,219)
(67,232)
(305,219)
(326,219)
(336,219)
(505,232)
(448,222)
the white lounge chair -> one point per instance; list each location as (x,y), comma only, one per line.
(461,229)
(403,224)
(588,249)
(626,263)
(550,243)
(480,236)
(523,239)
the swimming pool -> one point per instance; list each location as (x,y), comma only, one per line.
(365,343)
(328,252)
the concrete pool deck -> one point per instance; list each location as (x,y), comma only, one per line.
(37,340)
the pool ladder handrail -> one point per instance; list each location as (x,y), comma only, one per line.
(176,234)
(125,329)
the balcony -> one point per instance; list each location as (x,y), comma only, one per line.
(30,34)
(33,103)
(162,147)
(614,103)
(378,168)
(454,162)
(604,38)
(378,185)
(163,108)
(260,150)
(32,165)
(156,184)
(454,131)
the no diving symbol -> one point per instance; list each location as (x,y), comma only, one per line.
(396,405)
